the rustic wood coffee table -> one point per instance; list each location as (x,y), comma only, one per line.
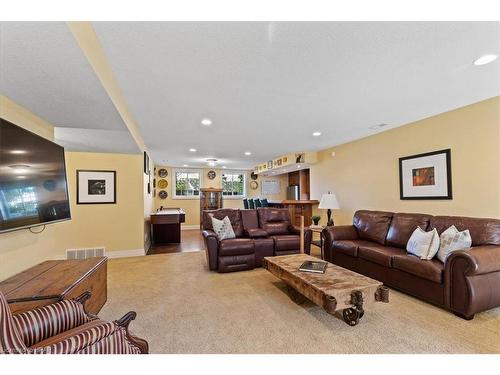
(337,289)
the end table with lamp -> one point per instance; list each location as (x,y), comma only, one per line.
(329,202)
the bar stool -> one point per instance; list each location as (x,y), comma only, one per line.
(257,203)
(250,204)
(245,203)
(264,202)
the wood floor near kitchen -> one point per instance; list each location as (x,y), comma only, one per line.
(191,240)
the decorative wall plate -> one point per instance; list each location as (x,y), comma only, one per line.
(254,185)
(211,174)
(253,176)
(162,184)
(163,194)
(163,173)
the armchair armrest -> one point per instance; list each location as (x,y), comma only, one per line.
(480,260)
(211,248)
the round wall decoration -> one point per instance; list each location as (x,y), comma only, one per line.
(162,184)
(163,194)
(253,176)
(163,173)
(211,174)
(254,185)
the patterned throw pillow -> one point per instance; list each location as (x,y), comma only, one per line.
(453,240)
(223,228)
(423,244)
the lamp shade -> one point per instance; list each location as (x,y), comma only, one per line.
(329,201)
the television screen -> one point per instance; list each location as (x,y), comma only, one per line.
(33,186)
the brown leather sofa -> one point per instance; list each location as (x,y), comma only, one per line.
(259,233)
(467,283)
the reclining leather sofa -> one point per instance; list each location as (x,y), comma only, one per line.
(259,233)
(375,245)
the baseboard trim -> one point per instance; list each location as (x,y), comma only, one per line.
(189,227)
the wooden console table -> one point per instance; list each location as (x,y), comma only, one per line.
(55,280)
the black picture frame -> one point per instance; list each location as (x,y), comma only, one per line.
(449,195)
(146,163)
(79,171)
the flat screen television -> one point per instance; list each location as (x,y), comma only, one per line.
(33,185)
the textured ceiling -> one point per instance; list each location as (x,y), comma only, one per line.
(268,85)
(43,69)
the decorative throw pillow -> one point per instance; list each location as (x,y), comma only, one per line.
(223,228)
(452,240)
(423,244)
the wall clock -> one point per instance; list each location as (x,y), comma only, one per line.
(162,184)
(254,185)
(253,176)
(163,194)
(163,173)
(211,175)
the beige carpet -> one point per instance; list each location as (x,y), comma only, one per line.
(184,308)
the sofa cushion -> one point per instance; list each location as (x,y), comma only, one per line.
(274,221)
(403,225)
(482,231)
(379,254)
(276,228)
(349,247)
(236,246)
(423,244)
(256,233)
(452,240)
(372,225)
(286,242)
(426,269)
(234,216)
(223,228)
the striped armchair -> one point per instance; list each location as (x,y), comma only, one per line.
(65,328)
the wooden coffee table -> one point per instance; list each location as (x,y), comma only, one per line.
(337,289)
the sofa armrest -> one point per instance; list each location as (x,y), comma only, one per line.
(211,248)
(294,229)
(480,259)
(336,233)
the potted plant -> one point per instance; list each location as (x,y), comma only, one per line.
(316,219)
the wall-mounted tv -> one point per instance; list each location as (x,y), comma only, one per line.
(33,185)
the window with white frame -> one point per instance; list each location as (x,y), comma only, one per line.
(233,184)
(187,183)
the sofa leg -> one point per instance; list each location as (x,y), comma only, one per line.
(466,317)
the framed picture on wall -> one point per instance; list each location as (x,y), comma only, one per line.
(146,163)
(95,187)
(426,176)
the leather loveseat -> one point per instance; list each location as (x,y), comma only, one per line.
(259,233)
(467,283)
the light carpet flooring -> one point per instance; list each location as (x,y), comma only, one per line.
(183,308)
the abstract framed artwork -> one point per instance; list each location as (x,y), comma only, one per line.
(95,187)
(426,176)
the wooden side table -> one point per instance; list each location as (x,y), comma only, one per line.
(318,229)
(55,280)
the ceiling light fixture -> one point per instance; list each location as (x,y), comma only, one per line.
(316,134)
(223,167)
(211,162)
(485,59)
(192,150)
(378,126)
(185,165)
(18,152)
(21,177)
(206,122)
(248,153)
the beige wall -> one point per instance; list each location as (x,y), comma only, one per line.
(364,173)
(118,226)
(192,206)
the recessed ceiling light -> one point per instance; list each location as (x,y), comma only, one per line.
(223,167)
(247,153)
(206,122)
(378,126)
(316,134)
(18,152)
(185,165)
(21,177)
(485,59)
(192,150)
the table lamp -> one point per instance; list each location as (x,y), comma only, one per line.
(329,202)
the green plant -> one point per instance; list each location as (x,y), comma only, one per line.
(315,219)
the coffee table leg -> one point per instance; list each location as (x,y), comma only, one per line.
(352,315)
(295,296)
